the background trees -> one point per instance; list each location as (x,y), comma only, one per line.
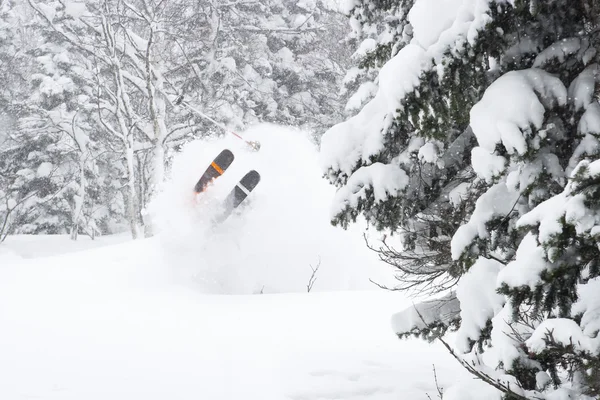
(107,92)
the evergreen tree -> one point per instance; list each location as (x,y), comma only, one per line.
(407,151)
(512,216)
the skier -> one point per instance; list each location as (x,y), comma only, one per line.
(243,188)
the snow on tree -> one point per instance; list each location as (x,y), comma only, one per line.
(432,67)
(36,173)
(538,140)
(535,319)
(274,61)
(508,220)
(10,57)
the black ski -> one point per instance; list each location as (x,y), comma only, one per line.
(216,168)
(239,193)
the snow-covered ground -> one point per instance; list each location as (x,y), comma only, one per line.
(112,323)
(204,311)
(34,246)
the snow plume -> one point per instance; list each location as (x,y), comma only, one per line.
(282,229)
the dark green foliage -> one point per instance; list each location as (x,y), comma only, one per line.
(432,331)
(527,34)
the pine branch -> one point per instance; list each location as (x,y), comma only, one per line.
(504,388)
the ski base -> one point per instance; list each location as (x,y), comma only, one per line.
(216,168)
(239,194)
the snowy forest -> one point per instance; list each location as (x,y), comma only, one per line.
(90,101)
(436,162)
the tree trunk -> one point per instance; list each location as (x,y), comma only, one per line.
(157,108)
(80,198)
(131,201)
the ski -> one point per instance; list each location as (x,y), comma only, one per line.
(216,168)
(239,193)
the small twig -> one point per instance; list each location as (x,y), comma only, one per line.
(313,276)
(437,385)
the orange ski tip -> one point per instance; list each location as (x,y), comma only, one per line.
(216,166)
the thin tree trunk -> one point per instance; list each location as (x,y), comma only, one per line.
(131,206)
(157,110)
(80,198)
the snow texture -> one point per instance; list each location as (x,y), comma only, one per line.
(511,105)
(590,122)
(498,201)
(581,93)
(479,301)
(441,25)
(384,180)
(452,24)
(345,6)
(571,207)
(558,51)
(562,331)
(526,174)
(527,267)
(547,215)
(487,165)
(365,47)
(588,306)
(505,346)
(110,323)
(361,136)
(430,18)
(428,153)
(75,9)
(473,390)
(365,92)
(581,90)
(44,170)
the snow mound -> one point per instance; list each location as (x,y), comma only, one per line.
(278,235)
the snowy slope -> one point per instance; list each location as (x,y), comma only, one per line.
(111,323)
